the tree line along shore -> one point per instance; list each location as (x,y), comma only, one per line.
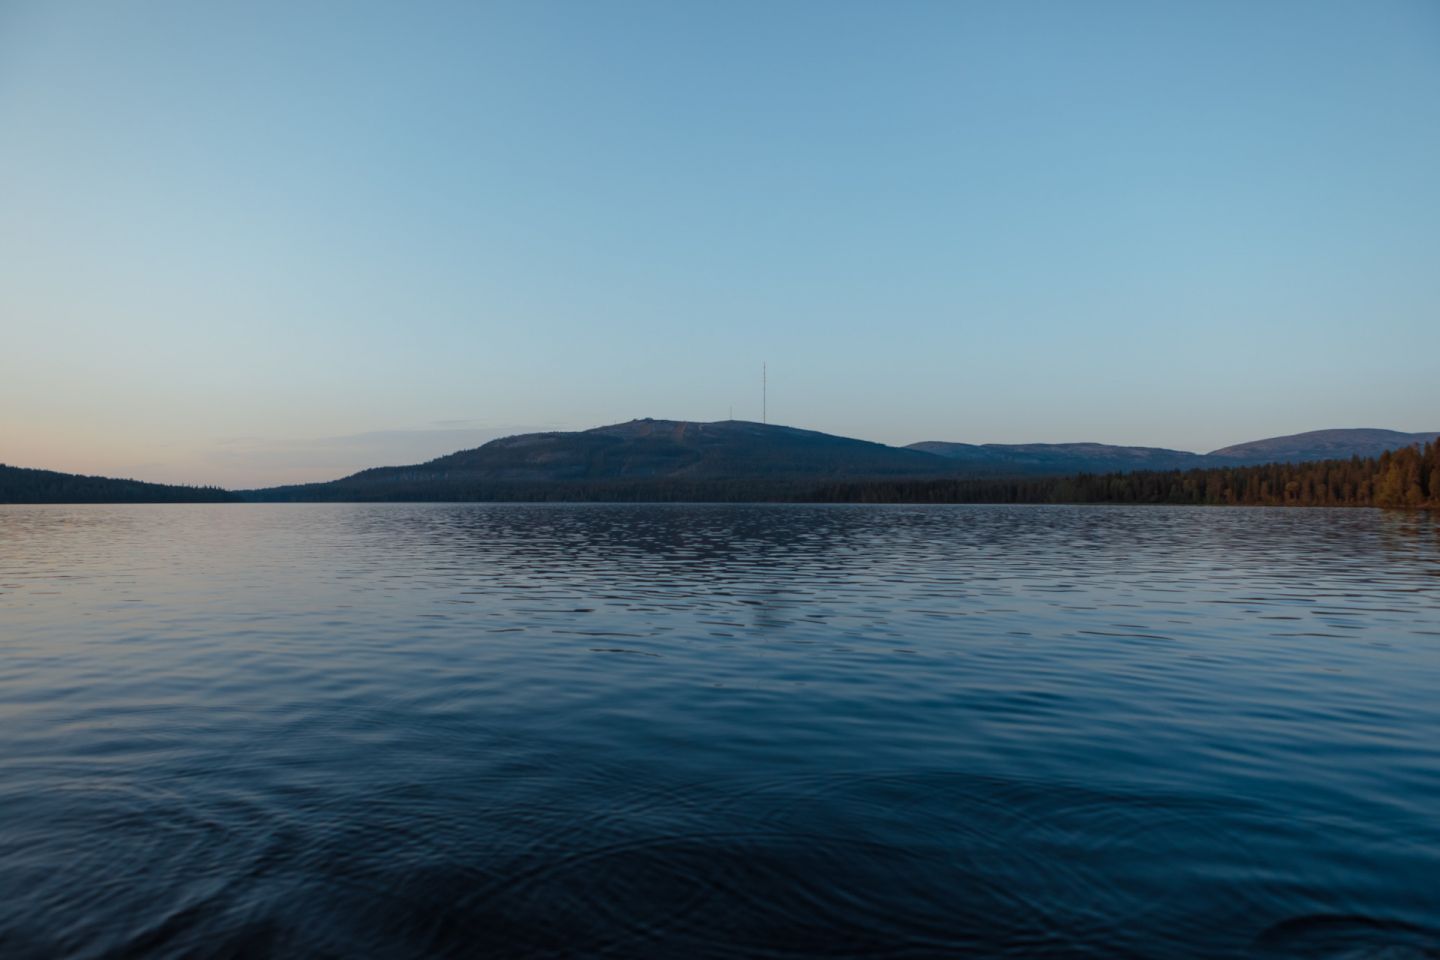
(1404,478)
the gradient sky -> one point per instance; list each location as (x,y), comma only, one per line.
(246,243)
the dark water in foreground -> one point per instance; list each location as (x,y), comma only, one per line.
(692,731)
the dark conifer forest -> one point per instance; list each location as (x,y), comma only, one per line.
(1408,477)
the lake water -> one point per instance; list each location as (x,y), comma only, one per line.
(718,731)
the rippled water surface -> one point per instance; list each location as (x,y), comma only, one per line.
(715,731)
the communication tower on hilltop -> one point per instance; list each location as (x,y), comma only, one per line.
(764,393)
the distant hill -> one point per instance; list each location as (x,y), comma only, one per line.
(670,448)
(1058,458)
(1322,445)
(641,459)
(22,485)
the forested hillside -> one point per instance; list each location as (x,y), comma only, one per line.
(22,485)
(1408,477)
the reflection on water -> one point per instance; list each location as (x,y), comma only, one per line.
(696,731)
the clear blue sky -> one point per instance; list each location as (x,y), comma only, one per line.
(255,242)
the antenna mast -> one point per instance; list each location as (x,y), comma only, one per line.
(764,393)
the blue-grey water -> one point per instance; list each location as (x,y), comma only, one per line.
(718,731)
